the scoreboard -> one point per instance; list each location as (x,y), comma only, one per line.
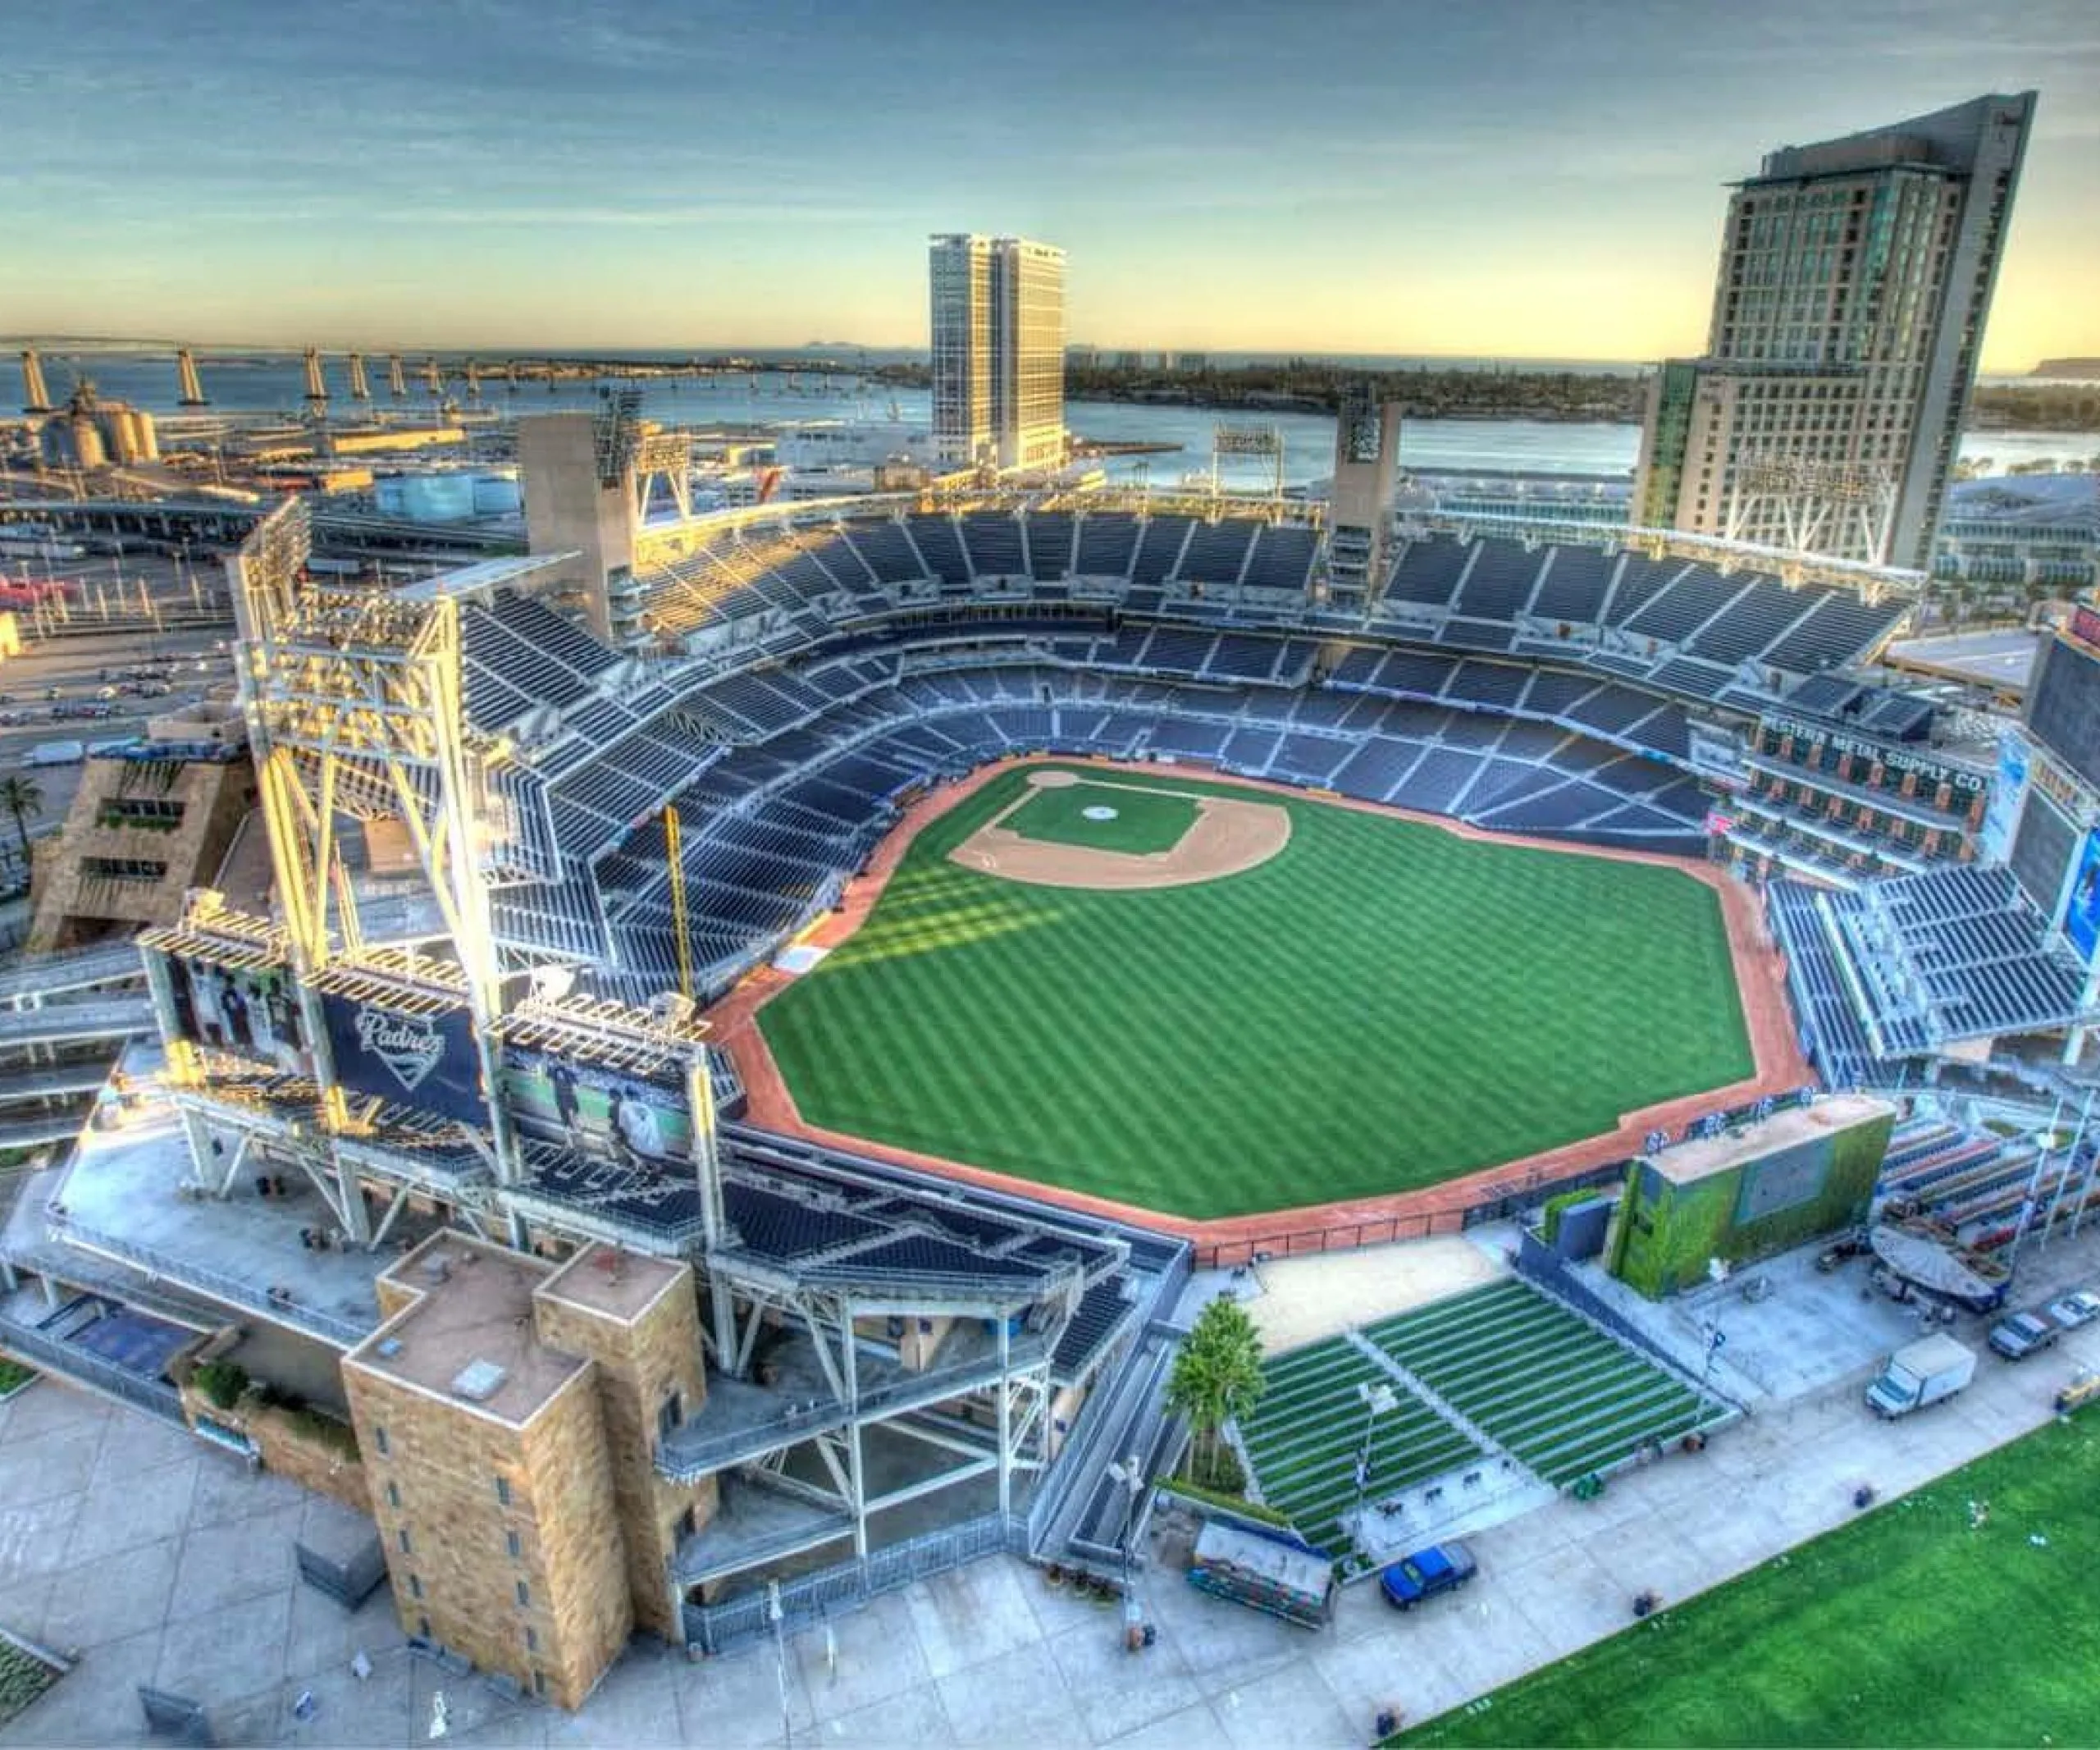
(2063,702)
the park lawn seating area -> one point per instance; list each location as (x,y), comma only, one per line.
(1306,1432)
(1862,1636)
(1563,1396)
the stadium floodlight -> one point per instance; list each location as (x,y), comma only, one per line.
(1378,1400)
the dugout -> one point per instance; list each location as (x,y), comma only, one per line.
(1748,1192)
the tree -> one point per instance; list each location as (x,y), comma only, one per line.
(1217,1376)
(22,797)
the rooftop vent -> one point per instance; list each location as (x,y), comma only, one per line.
(478,1382)
(388,1347)
(437,1267)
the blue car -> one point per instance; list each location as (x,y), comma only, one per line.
(1443,1567)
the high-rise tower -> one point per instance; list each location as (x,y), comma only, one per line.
(998,350)
(1855,278)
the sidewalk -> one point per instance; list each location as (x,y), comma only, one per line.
(167,1563)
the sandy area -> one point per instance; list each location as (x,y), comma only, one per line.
(1227,837)
(1301,1299)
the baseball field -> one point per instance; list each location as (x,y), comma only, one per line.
(1211,1002)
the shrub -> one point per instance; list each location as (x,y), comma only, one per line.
(221,1382)
(324,1430)
(1230,1503)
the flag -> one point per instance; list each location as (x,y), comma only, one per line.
(1717,823)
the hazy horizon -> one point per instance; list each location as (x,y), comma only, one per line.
(1513,181)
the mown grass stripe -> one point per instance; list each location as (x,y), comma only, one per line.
(1381,1006)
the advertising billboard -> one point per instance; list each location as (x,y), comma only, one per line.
(2063,707)
(247,1010)
(425,1059)
(2082,910)
(595,1110)
(2008,790)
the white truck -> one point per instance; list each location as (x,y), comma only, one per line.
(55,753)
(1920,1373)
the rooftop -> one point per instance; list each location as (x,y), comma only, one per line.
(1688,1163)
(618,1284)
(2003,660)
(470,1335)
(121,1197)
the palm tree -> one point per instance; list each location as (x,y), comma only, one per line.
(1217,1376)
(22,797)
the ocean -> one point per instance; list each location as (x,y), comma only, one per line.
(256,381)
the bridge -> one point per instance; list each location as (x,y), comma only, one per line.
(73,1023)
(82,969)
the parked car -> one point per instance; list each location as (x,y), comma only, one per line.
(2081,1306)
(2019,1335)
(1442,1567)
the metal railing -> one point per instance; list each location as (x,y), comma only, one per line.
(28,1344)
(714,1627)
(216,1284)
(686,1457)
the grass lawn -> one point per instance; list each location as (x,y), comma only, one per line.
(1146,821)
(1906,1627)
(1381,1006)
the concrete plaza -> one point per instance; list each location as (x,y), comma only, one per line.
(164,1562)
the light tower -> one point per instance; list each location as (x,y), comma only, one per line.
(317,387)
(397,385)
(189,391)
(36,398)
(360,389)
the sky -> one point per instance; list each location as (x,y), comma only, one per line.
(1513,178)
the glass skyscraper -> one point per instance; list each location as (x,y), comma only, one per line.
(998,350)
(1855,278)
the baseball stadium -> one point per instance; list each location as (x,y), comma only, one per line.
(855,978)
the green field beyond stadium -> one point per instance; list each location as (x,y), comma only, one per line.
(1379,1007)
(1133,820)
(1863,1637)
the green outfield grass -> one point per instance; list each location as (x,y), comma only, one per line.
(1146,821)
(1381,1006)
(1907,1626)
